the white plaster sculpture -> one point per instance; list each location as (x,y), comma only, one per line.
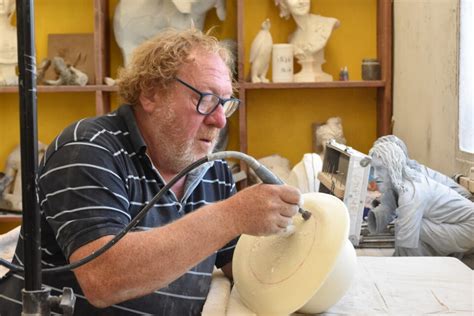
(261,53)
(331,130)
(431,219)
(136,21)
(67,74)
(11,198)
(304,174)
(309,39)
(306,271)
(8,44)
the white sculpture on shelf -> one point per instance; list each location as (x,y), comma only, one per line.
(135,21)
(8,44)
(260,53)
(331,130)
(309,39)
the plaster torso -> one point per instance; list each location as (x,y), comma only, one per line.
(312,34)
(8,43)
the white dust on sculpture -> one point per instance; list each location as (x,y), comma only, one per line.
(331,130)
(260,53)
(309,39)
(136,21)
(8,44)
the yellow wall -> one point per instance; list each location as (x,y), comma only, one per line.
(279,121)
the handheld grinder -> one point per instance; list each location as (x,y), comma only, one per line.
(260,170)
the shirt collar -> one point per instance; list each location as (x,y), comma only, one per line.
(126,113)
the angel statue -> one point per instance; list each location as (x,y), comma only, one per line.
(8,44)
(260,53)
(309,39)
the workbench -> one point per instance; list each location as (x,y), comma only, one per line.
(387,286)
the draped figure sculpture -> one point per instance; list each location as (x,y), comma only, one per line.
(431,219)
(309,39)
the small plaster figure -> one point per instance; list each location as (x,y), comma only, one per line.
(138,21)
(331,130)
(8,44)
(67,74)
(309,39)
(261,53)
(431,219)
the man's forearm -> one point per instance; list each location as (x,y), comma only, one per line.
(142,262)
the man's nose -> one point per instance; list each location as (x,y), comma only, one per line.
(216,118)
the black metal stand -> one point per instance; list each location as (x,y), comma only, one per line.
(36,299)
(29,143)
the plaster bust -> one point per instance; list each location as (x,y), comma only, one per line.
(331,130)
(309,39)
(8,44)
(137,21)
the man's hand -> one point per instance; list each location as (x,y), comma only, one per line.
(263,209)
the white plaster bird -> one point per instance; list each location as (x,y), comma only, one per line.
(260,53)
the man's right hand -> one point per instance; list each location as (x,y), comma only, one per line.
(263,209)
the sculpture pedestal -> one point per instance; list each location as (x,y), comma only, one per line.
(311,70)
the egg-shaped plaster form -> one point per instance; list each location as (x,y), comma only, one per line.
(307,271)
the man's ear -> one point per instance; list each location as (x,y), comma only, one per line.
(148,101)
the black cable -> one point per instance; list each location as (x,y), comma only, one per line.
(117,237)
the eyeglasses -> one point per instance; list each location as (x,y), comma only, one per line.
(208,102)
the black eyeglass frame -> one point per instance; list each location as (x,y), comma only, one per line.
(220,100)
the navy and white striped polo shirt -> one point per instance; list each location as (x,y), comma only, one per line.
(94,178)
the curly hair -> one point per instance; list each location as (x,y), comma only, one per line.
(156,62)
(394,139)
(284,10)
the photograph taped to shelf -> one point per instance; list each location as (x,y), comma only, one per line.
(76,50)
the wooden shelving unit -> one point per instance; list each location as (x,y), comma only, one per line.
(383,86)
(102,91)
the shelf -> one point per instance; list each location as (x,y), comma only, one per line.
(10,218)
(314,85)
(53,89)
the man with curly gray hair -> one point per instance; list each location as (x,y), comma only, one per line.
(100,172)
(431,219)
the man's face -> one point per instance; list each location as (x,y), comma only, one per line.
(381,175)
(183,134)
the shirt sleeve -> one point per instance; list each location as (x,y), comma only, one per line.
(83,195)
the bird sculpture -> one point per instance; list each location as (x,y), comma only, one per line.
(260,53)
